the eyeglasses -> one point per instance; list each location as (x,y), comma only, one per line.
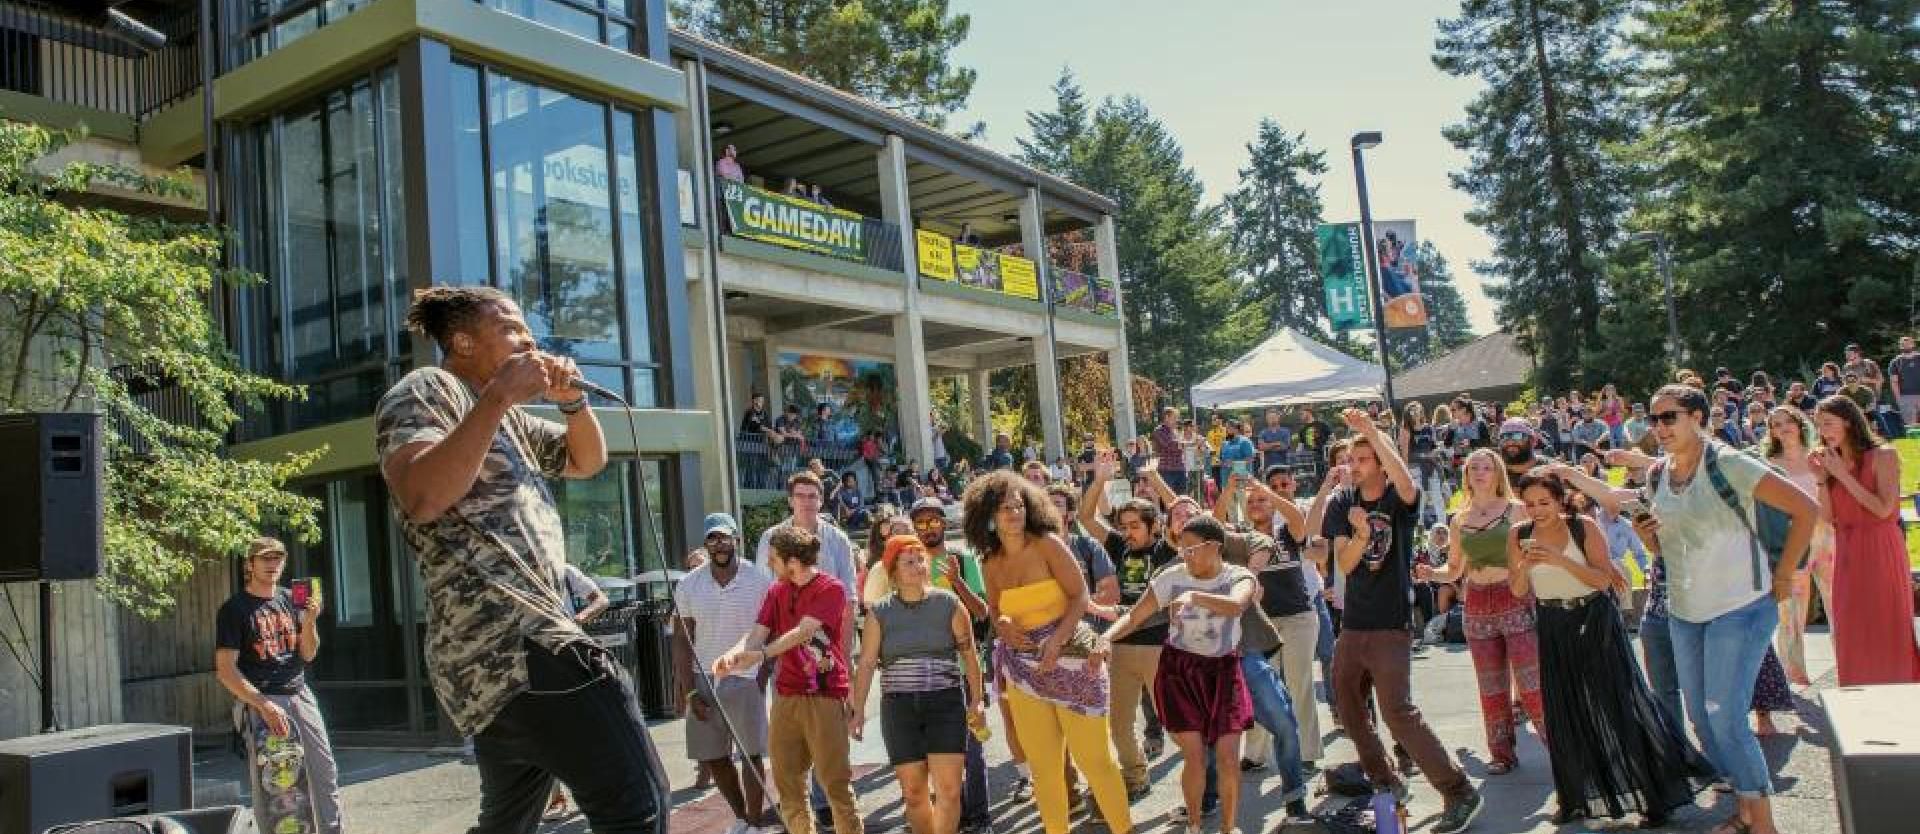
(929,524)
(1665,418)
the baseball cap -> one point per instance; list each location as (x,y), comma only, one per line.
(720,523)
(928,505)
(265,545)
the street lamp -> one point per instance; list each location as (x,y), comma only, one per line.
(1362,141)
(1665,265)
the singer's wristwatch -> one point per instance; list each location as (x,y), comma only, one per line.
(573,406)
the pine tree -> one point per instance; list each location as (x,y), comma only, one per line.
(895,52)
(1273,214)
(1785,154)
(1176,260)
(1545,189)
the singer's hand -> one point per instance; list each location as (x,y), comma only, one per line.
(519,379)
(561,372)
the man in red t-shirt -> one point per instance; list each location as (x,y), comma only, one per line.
(808,724)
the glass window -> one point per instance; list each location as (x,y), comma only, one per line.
(633,230)
(332,251)
(606,534)
(552,215)
(581,18)
(469,153)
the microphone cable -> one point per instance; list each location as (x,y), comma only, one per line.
(701,674)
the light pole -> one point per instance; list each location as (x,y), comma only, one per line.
(1363,141)
(1665,265)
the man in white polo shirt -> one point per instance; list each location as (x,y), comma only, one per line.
(717,603)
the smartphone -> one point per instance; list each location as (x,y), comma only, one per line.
(1635,509)
(304,589)
(1527,544)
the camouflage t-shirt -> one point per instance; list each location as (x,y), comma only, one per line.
(492,562)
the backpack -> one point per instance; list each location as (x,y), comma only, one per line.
(1348,779)
(1455,630)
(1766,530)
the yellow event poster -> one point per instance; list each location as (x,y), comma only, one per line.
(1019,278)
(936,254)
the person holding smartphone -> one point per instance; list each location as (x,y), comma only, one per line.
(263,641)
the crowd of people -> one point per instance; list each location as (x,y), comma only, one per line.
(1104,612)
(1191,586)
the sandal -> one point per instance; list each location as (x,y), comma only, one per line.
(1499,768)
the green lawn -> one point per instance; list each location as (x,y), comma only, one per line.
(1909,484)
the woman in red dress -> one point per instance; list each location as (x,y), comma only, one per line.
(1872,598)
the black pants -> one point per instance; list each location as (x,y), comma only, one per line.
(577,721)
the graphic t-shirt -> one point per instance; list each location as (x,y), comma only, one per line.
(266,633)
(1377,599)
(1136,569)
(1283,582)
(818,666)
(1196,628)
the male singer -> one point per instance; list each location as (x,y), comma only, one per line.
(468,466)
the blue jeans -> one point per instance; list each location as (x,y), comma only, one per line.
(1274,711)
(1718,662)
(1656,647)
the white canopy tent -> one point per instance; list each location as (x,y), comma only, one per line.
(1290,369)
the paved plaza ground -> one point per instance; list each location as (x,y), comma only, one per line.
(401,792)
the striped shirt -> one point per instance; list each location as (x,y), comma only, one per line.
(722,614)
(920,674)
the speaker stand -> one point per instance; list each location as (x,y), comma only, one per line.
(47,722)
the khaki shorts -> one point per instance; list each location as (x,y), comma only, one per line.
(746,710)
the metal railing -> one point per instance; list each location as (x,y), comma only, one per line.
(764,465)
(160,396)
(48,54)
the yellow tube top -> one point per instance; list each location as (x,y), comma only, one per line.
(1034,604)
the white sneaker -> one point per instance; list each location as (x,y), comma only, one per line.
(739,827)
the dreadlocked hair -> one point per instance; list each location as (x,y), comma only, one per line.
(440,311)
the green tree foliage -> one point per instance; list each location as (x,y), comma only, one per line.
(1447,326)
(1545,188)
(895,52)
(1177,263)
(1785,158)
(96,305)
(1273,214)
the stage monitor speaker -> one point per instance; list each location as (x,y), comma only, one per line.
(113,770)
(50,510)
(1876,756)
(230,819)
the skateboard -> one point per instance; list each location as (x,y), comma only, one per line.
(281,763)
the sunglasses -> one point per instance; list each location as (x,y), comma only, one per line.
(929,523)
(1516,437)
(1665,418)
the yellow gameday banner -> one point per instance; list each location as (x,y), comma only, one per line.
(936,254)
(1019,277)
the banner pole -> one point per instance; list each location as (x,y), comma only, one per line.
(1370,269)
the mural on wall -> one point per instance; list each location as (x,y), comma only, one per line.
(861,393)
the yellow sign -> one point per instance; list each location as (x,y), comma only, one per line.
(1018,277)
(936,254)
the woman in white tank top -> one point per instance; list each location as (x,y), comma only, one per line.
(1789,436)
(1615,750)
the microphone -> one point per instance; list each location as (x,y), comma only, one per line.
(581,384)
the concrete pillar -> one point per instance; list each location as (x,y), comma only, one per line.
(1109,255)
(1045,356)
(770,360)
(713,379)
(915,397)
(980,407)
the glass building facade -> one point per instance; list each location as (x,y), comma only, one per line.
(488,173)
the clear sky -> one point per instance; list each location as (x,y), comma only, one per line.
(1211,69)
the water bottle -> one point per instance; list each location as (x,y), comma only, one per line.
(1386,814)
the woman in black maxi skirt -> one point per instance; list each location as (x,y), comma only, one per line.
(1615,750)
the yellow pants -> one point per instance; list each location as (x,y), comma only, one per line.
(1047,734)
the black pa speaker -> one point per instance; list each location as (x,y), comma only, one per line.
(230,819)
(112,770)
(50,506)
(1876,756)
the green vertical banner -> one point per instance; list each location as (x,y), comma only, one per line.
(1342,275)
